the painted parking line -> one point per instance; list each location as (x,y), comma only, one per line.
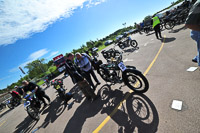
(2,123)
(126,97)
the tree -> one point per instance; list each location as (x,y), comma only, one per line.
(36,68)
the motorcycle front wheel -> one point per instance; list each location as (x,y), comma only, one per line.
(10,106)
(33,113)
(134,43)
(135,80)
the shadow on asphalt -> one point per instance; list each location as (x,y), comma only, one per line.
(130,50)
(167,40)
(177,30)
(55,109)
(8,110)
(25,126)
(139,112)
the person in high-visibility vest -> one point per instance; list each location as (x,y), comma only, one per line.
(156,26)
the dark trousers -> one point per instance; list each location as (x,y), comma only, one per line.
(157,31)
(88,74)
(86,89)
(41,95)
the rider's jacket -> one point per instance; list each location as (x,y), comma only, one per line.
(73,71)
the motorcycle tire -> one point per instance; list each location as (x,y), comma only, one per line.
(161,27)
(104,74)
(97,55)
(121,45)
(169,25)
(140,82)
(10,106)
(34,114)
(134,43)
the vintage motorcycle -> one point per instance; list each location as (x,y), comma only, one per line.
(32,105)
(116,72)
(58,85)
(127,42)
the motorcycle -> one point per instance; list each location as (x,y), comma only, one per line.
(108,54)
(175,18)
(58,85)
(32,105)
(116,72)
(2,106)
(127,42)
(12,103)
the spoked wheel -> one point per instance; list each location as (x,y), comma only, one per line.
(121,45)
(133,43)
(103,74)
(161,27)
(33,113)
(169,25)
(136,81)
(10,105)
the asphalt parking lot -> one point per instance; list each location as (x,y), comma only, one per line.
(164,62)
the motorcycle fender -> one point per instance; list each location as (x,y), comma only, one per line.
(126,71)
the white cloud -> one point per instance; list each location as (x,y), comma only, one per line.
(4,78)
(33,56)
(22,18)
(52,54)
(37,54)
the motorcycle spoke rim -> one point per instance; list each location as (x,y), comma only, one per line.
(135,81)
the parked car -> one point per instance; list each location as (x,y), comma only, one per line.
(95,49)
(108,42)
(119,37)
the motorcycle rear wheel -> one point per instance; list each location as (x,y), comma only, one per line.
(10,106)
(169,25)
(134,43)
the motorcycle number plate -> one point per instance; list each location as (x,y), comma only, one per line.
(122,66)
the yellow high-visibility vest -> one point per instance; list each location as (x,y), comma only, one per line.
(156,21)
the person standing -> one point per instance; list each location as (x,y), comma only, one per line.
(78,79)
(156,26)
(193,23)
(83,61)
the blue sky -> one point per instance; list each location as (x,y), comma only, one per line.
(32,30)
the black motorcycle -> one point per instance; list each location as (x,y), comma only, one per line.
(116,72)
(2,106)
(13,102)
(58,85)
(127,42)
(32,105)
(175,18)
(111,53)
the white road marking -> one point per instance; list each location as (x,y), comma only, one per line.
(176,104)
(136,51)
(152,39)
(192,69)
(125,60)
(145,44)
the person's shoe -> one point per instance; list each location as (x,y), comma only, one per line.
(194,60)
